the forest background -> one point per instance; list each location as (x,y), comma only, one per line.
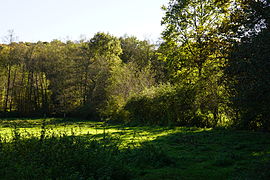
(210,69)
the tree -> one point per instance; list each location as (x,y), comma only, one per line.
(139,52)
(195,48)
(102,57)
(10,56)
(248,68)
(193,39)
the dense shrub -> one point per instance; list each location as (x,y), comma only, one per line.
(173,105)
(125,81)
(163,105)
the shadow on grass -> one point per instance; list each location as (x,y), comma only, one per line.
(175,153)
(193,153)
(215,154)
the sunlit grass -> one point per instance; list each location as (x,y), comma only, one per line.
(56,127)
(188,152)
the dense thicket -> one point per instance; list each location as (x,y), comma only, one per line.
(212,68)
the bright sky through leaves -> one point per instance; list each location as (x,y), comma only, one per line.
(45,20)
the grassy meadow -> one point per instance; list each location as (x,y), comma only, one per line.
(77,149)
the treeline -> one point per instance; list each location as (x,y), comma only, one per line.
(74,78)
(211,69)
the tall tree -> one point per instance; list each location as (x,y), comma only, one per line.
(139,52)
(192,37)
(248,68)
(195,49)
(102,53)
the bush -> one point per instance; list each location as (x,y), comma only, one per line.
(164,105)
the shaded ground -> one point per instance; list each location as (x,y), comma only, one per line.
(167,153)
(215,154)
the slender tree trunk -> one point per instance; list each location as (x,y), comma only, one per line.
(37,102)
(42,91)
(22,92)
(85,87)
(46,100)
(215,113)
(31,91)
(28,101)
(13,89)
(7,89)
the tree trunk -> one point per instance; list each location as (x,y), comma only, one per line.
(7,89)
(13,89)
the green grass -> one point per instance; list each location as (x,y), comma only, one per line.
(74,149)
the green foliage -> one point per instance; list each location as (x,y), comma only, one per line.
(104,45)
(176,105)
(163,105)
(126,80)
(248,70)
(120,79)
(82,79)
(195,49)
(135,51)
(192,37)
